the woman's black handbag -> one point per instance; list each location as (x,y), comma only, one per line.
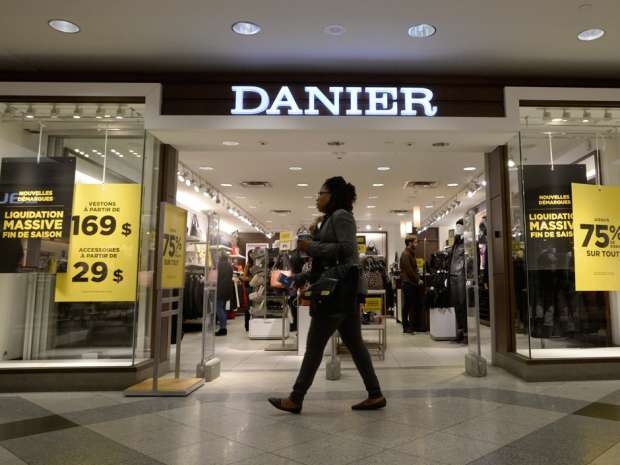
(331,296)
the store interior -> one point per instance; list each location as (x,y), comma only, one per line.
(260,185)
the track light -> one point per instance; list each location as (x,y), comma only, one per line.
(119,113)
(180,176)
(8,110)
(29,113)
(587,117)
(546,116)
(54,112)
(77,113)
(608,116)
(100,113)
(188,182)
(196,188)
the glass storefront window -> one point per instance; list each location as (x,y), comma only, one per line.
(555,148)
(55,149)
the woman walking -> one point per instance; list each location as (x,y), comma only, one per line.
(334,255)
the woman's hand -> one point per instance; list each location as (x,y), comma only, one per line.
(303,245)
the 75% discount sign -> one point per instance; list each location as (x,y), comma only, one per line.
(601,240)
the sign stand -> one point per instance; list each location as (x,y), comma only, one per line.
(171,244)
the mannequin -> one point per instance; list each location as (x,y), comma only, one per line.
(457,280)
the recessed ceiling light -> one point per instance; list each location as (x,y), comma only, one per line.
(368,227)
(252,206)
(206,168)
(311,206)
(295,168)
(428,206)
(378,185)
(226,185)
(400,214)
(246,28)
(591,34)
(316,214)
(373,197)
(62,25)
(440,196)
(308,197)
(511,163)
(334,30)
(422,31)
(230,143)
(241,197)
(453,184)
(371,206)
(469,168)
(383,168)
(302,184)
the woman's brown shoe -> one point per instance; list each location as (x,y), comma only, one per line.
(371,404)
(286,405)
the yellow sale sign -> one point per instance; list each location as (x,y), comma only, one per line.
(173,252)
(103,248)
(286,240)
(596,223)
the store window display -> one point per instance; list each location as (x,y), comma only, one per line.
(94,180)
(554,319)
(456,283)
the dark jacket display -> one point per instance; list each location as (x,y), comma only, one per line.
(457,282)
(225,287)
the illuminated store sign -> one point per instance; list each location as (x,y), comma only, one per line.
(335,101)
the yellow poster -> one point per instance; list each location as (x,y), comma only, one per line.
(374,304)
(103,249)
(361,244)
(286,240)
(173,252)
(596,223)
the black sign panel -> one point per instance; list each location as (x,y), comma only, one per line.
(36,198)
(549,214)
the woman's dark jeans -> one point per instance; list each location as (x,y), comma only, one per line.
(321,329)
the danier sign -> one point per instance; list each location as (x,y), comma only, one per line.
(337,101)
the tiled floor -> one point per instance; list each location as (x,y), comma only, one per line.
(435,416)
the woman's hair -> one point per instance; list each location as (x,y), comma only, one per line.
(343,194)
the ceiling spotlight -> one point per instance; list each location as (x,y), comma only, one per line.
(566,116)
(484,182)
(440,196)
(511,163)
(591,34)
(428,206)
(368,227)
(62,25)
(546,116)
(225,184)
(469,168)
(587,117)
(99,114)
(378,185)
(230,143)
(120,113)
(302,184)
(188,182)
(334,30)
(77,113)
(383,168)
(453,184)
(422,31)
(206,194)
(608,116)
(196,188)
(371,206)
(295,168)
(29,113)
(246,28)
(7,110)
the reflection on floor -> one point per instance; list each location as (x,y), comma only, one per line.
(436,415)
